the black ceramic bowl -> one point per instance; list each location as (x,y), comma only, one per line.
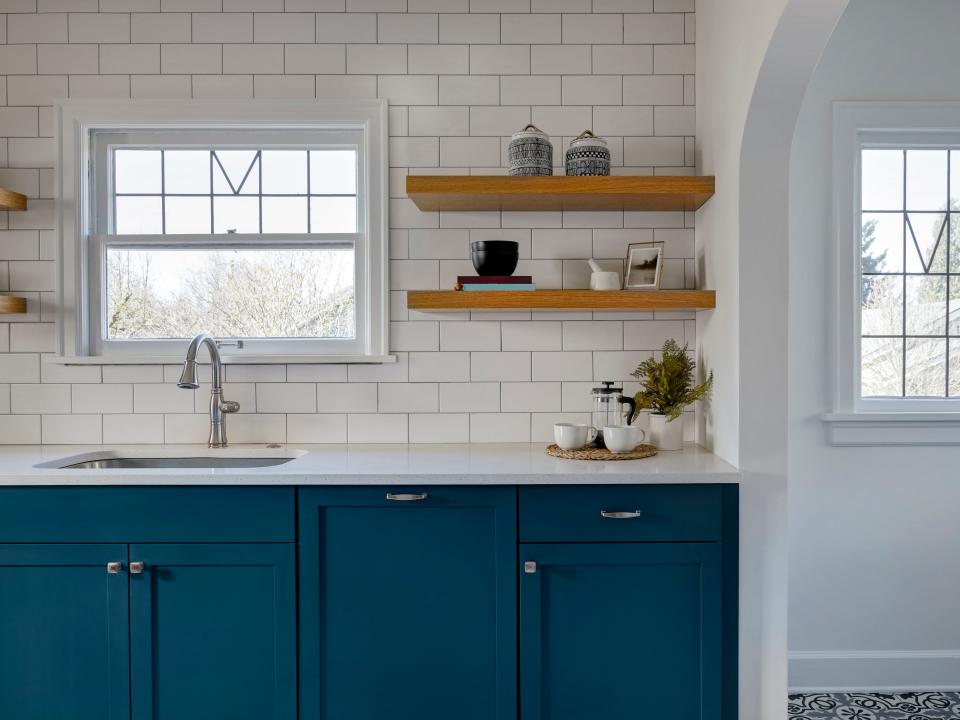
(494,257)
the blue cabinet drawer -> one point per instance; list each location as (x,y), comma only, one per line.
(146,514)
(621,513)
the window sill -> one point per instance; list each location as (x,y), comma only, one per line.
(225,359)
(893,429)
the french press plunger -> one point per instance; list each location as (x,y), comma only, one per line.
(608,409)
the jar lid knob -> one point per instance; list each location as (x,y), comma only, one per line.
(585,134)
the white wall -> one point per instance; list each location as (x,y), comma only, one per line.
(461,76)
(874,538)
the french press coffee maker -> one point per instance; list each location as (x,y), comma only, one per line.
(608,409)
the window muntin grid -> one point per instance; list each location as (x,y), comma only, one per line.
(173,191)
(910,273)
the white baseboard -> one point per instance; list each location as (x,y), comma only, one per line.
(884,671)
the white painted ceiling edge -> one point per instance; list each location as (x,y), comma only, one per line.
(744,231)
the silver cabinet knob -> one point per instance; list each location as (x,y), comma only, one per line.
(620,514)
(406,497)
(136,568)
(530,567)
(114,568)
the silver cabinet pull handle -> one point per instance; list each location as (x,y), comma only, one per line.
(136,568)
(620,514)
(406,497)
(114,568)
(530,567)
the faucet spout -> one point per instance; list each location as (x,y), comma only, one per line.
(190,381)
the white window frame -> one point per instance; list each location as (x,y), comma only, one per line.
(856,420)
(79,287)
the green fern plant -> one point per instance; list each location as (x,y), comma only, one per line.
(668,383)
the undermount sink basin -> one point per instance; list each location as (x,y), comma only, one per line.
(199,458)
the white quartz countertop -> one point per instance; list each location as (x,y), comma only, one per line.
(509,464)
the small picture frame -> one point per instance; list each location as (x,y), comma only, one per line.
(644,267)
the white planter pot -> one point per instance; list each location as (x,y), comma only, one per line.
(666,435)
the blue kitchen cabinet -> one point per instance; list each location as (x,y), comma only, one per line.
(408,603)
(623,631)
(213,632)
(63,633)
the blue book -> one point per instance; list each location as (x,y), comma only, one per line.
(485,287)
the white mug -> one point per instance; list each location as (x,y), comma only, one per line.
(623,438)
(573,437)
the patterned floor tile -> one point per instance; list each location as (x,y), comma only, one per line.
(875,706)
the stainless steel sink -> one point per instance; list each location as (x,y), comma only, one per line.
(176,458)
(144,463)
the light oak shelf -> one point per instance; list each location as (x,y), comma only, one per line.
(12,304)
(606,300)
(10,200)
(496,192)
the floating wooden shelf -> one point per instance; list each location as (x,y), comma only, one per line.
(609,300)
(10,200)
(496,192)
(12,304)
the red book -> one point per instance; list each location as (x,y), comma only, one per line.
(494,279)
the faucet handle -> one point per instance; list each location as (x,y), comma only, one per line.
(229,406)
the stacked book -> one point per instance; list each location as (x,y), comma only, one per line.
(495,282)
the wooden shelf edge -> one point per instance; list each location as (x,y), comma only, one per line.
(613,300)
(12,304)
(613,192)
(10,200)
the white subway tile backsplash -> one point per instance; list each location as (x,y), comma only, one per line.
(674,59)
(408,398)
(165,27)
(529,29)
(346,28)
(288,397)
(346,397)
(377,429)
(434,428)
(407,28)
(465,90)
(38,399)
(284,27)
(461,77)
(114,398)
(470,397)
(325,428)
(500,427)
(473,28)
(72,429)
(222,27)
(499,59)
(438,59)
(472,335)
(562,366)
(529,397)
(133,429)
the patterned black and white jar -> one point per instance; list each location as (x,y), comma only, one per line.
(530,153)
(588,155)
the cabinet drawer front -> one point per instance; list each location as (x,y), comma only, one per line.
(146,514)
(621,513)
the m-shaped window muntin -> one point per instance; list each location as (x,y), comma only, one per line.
(910,272)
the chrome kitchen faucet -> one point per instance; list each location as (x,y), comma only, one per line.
(218,406)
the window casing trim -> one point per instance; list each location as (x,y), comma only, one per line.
(77,121)
(856,420)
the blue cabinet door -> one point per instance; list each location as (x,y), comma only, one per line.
(213,632)
(620,631)
(408,605)
(63,633)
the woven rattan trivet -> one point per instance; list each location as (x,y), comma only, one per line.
(592,453)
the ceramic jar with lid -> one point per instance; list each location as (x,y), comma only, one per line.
(588,155)
(530,153)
